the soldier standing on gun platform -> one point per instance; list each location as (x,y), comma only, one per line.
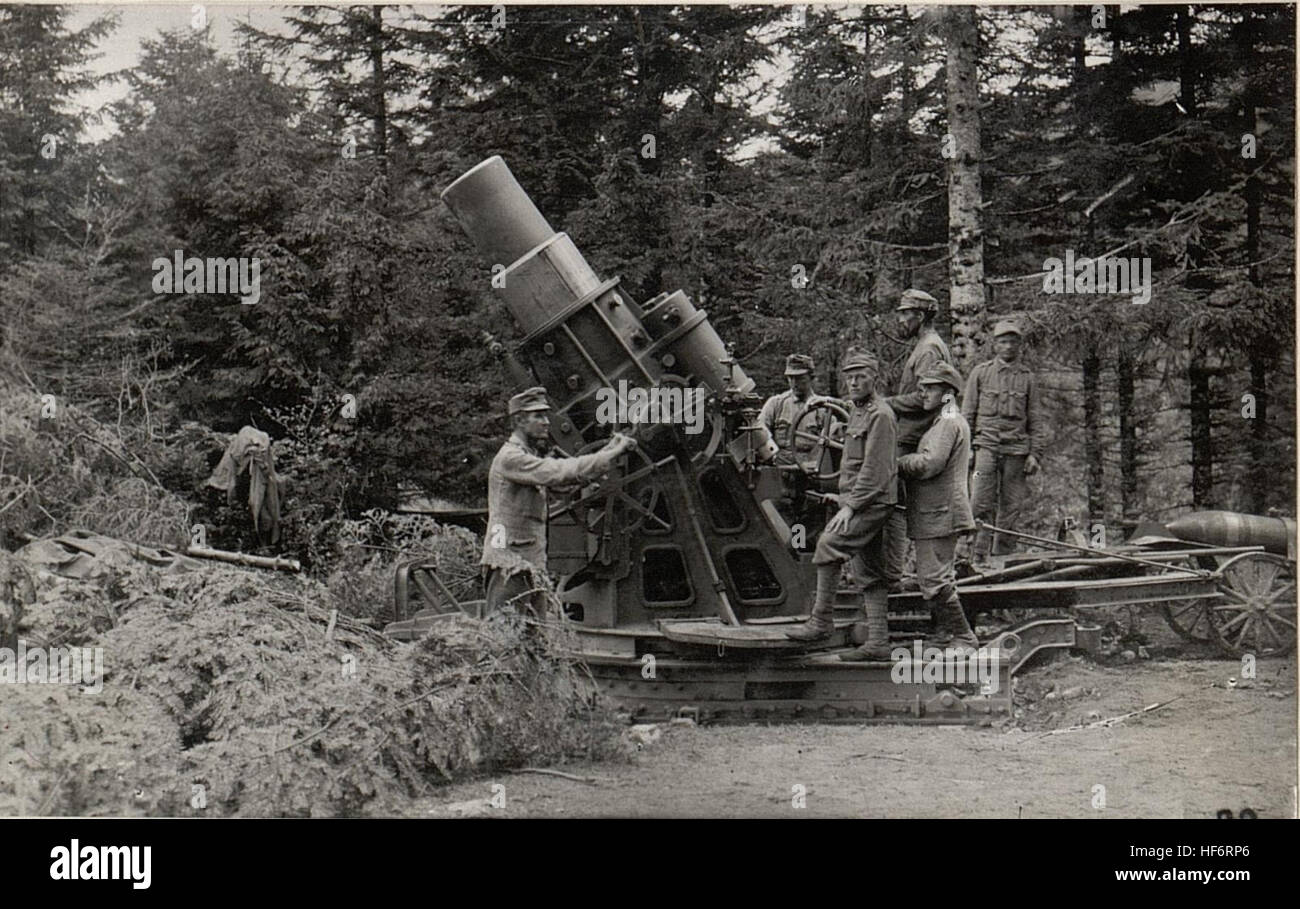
(868,491)
(780,414)
(1006,419)
(782,411)
(938,509)
(515,545)
(916,312)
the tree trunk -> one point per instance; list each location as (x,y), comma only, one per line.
(1201,414)
(1127,438)
(1092,435)
(907,64)
(1202,447)
(867,19)
(1187,71)
(1260,349)
(378,88)
(1078,52)
(965,238)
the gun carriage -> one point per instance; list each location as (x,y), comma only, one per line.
(679,573)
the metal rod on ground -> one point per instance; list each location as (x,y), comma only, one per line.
(985,525)
(1182,554)
(241,558)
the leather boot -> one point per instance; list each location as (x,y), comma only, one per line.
(950,619)
(941,635)
(876,645)
(821,621)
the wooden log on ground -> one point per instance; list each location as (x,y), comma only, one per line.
(243,558)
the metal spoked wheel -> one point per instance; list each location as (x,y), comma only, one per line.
(592,504)
(1256,611)
(828,442)
(1190,619)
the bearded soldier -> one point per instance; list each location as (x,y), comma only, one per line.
(517,482)
(916,313)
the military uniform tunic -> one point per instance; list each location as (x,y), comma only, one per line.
(937,504)
(517,483)
(780,414)
(938,509)
(913,421)
(868,485)
(1003,408)
(913,418)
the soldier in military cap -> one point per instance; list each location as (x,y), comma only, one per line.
(1004,410)
(916,313)
(938,509)
(780,414)
(868,491)
(517,482)
(782,411)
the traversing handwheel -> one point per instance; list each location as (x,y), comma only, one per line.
(823,461)
(591,504)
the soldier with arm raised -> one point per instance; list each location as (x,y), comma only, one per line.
(515,545)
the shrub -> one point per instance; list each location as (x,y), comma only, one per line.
(227,679)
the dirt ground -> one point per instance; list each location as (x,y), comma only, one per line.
(1213,747)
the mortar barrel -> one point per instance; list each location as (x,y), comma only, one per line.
(496,213)
(691,345)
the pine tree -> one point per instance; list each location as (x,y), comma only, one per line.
(42,68)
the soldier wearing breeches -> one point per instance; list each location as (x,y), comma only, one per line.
(938,510)
(868,491)
(1002,406)
(515,546)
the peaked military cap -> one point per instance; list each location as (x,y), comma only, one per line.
(942,374)
(532,399)
(917,299)
(857,358)
(798,365)
(1007,327)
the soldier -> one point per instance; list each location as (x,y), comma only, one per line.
(868,491)
(916,312)
(938,509)
(780,414)
(517,483)
(1007,426)
(782,411)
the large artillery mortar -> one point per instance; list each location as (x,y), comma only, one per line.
(678,572)
(680,554)
(685,528)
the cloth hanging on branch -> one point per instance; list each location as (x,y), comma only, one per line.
(250,452)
